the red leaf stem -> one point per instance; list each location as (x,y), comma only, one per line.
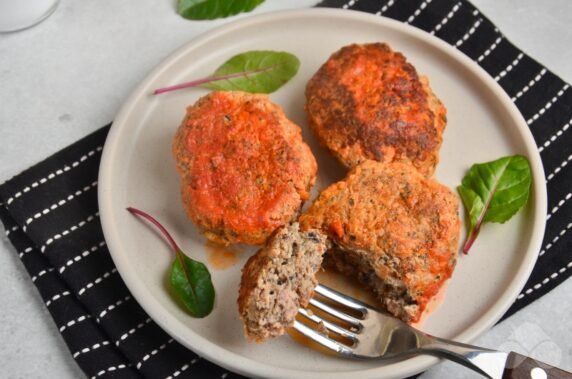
(198,82)
(161,228)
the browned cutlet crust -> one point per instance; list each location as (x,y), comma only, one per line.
(367,102)
(395,230)
(245,170)
(279,279)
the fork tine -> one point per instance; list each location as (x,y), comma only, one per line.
(327,342)
(330,326)
(339,297)
(334,312)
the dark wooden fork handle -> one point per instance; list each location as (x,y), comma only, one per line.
(521,367)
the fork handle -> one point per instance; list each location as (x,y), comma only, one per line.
(490,363)
(519,366)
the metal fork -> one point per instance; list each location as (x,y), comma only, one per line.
(372,334)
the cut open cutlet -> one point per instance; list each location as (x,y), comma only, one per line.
(394,230)
(279,279)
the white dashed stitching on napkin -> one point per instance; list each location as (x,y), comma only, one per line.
(418,11)
(349,4)
(560,203)
(41,273)
(446,19)
(557,170)
(548,105)
(469,33)
(491,48)
(96,281)
(25,251)
(52,175)
(92,348)
(113,306)
(555,136)
(74,322)
(49,241)
(131,331)
(83,254)
(385,7)
(58,204)
(555,239)
(56,297)
(543,282)
(185,366)
(530,84)
(110,369)
(510,67)
(155,351)
(11,230)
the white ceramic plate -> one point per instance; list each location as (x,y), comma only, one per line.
(137,169)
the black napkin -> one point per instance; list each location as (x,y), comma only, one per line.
(50,211)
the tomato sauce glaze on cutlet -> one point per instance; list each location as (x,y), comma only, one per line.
(245,169)
(367,102)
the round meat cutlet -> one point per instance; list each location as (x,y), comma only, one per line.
(395,230)
(367,102)
(279,279)
(244,167)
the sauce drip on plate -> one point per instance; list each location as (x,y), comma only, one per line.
(221,257)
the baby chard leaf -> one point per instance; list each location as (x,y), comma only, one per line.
(190,279)
(493,192)
(257,71)
(262,71)
(211,9)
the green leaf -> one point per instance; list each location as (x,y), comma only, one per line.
(192,283)
(259,72)
(494,191)
(190,280)
(211,9)
(254,71)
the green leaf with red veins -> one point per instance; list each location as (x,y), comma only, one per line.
(493,192)
(189,279)
(256,71)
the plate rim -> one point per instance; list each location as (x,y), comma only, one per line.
(244,365)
